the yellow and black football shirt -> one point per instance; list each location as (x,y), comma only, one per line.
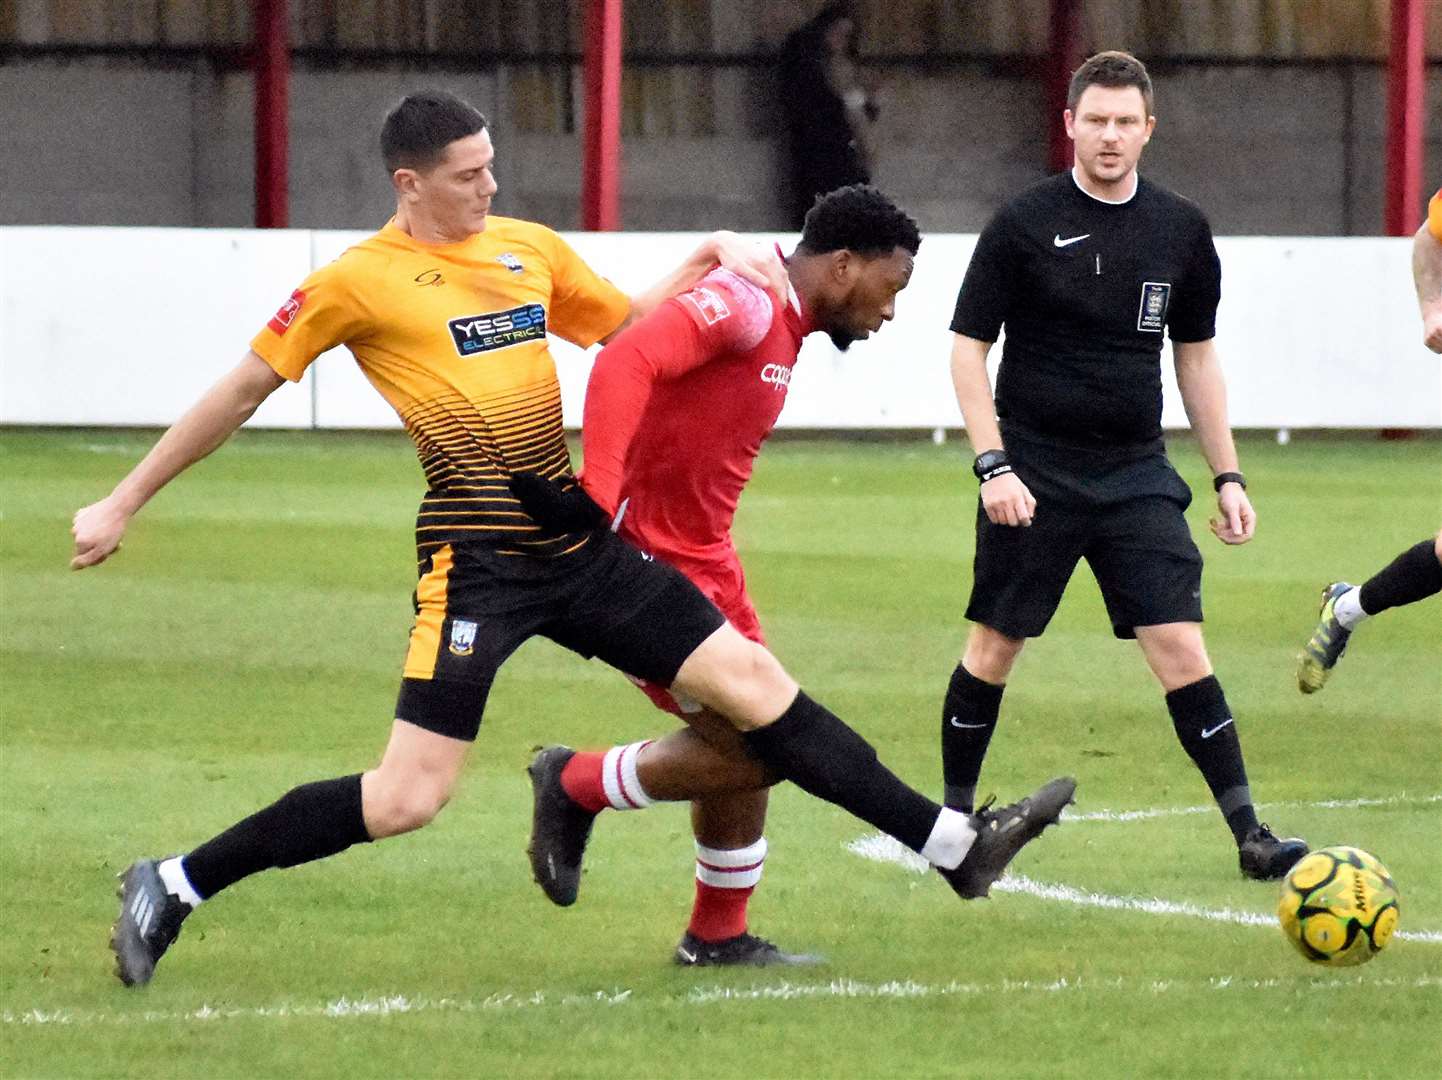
(454,337)
(1434,215)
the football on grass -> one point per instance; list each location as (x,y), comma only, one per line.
(1338,906)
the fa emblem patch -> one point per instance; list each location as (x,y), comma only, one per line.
(510,262)
(463,637)
(1153,313)
(281,320)
(708,303)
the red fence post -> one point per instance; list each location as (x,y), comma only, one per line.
(601,149)
(1406,90)
(1063,57)
(272,115)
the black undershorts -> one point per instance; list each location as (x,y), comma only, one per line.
(606,599)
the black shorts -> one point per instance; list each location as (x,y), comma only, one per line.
(475,607)
(1140,551)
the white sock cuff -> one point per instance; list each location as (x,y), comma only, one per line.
(951,838)
(619,778)
(1348,608)
(172,875)
(731,868)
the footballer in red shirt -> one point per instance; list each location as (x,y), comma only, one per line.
(677,408)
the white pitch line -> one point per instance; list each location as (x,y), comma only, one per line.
(380,1006)
(883,849)
(1178,811)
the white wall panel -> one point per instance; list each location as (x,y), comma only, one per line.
(129,326)
(1324,332)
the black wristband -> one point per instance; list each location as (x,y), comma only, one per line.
(1228,478)
(990,464)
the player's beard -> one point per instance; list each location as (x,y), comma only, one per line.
(842,339)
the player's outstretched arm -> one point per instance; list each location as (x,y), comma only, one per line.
(1006,500)
(1204,395)
(757,263)
(1427,274)
(99,527)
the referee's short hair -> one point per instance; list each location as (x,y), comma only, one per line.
(858,218)
(1112,68)
(418,130)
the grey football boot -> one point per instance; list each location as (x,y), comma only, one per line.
(1003,832)
(149,922)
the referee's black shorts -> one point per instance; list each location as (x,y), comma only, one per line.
(475,606)
(1140,551)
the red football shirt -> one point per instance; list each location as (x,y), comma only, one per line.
(677,409)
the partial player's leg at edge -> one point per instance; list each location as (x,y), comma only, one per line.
(1413,575)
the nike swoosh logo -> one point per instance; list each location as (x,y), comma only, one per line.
(1057,241)
(1207,733)
(687,955)
(957,723)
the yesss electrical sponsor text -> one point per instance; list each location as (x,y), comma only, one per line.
(498,329)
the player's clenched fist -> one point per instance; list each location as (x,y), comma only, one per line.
(98,529)
(1007,501)
(1432,327)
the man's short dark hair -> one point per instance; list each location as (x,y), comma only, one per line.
(418,130)
(857,218)
(1112,69)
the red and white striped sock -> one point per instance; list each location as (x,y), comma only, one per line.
(595,780)
(725,880)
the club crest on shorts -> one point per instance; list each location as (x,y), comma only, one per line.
(1152,315)
(463,637)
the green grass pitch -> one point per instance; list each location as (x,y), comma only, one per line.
(248,638)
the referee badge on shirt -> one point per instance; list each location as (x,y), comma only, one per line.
(463,637)
(1152,315)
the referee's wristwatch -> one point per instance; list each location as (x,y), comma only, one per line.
(990,464)
(1228,478)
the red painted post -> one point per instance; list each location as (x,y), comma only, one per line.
(1406,91)
(1064,55)
(272,115)
(601,148)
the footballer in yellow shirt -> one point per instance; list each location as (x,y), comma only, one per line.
(445,310)
(453,336)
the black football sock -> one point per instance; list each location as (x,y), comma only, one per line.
(1413,575)
(1207,732)
(968,717)
(818,753)
(305,824)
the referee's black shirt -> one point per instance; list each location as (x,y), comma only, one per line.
(1084,289)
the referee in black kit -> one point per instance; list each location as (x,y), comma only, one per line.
(1086,271)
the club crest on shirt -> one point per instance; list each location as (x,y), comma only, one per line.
(709,303)
(1152,315)
(463,637)
(510,262)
